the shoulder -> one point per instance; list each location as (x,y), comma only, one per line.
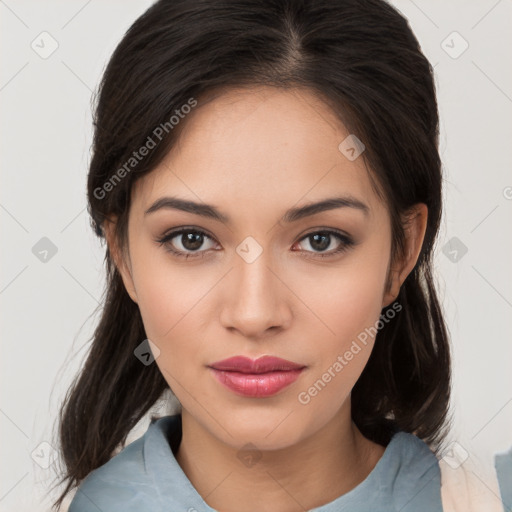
(411,474)
(121,484)
(412,456)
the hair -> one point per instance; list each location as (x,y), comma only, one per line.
(363,60)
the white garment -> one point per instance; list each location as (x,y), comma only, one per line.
(464,489)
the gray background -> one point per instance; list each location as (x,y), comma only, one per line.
(47,304)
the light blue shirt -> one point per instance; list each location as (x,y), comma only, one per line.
(503,465)
(145,476)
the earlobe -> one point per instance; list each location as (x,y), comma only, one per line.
(392,287)
(415,224)
(415,228)
(118,257)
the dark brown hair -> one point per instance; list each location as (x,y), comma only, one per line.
(362,59)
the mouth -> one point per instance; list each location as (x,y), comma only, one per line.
(264,364)
(258,378)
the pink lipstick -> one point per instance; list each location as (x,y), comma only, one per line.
(260,378)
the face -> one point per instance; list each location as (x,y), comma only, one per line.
(253,279)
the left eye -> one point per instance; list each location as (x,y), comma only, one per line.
(320,241)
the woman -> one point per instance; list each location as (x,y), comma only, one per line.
(267,178)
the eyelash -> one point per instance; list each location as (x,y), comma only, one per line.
(346,243)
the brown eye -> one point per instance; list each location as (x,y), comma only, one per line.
(191,241)
(185,242)
(321,241)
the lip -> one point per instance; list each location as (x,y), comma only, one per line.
(260,378)
(263,364)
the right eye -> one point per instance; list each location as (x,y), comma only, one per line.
(187,244)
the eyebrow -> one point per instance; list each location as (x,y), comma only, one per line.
(291,215)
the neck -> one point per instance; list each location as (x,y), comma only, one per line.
(310,473)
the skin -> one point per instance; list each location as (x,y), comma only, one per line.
(254,154)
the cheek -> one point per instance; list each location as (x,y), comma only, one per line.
(357,304)
(167,292)
(160,305)
(170,298)
(166,307)
(343,350)
(347,300)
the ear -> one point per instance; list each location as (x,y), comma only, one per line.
(121,261)
(414,229)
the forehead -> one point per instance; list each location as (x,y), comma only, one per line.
(262,146)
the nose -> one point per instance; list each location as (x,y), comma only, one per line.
(256,302)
